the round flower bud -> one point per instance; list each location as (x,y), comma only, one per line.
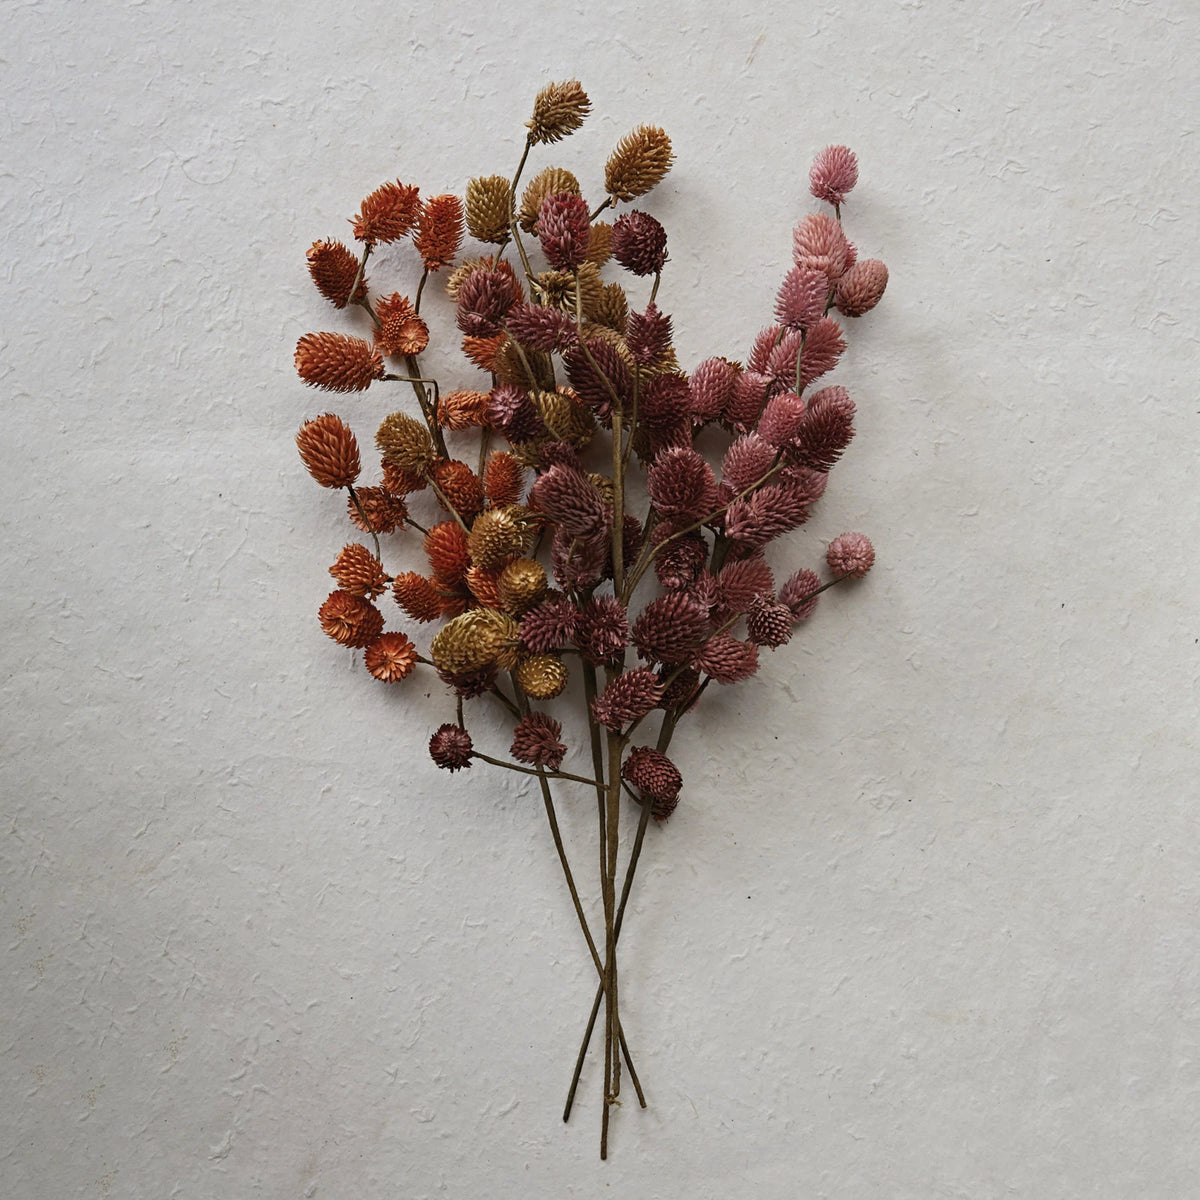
(450,747)
(541,676)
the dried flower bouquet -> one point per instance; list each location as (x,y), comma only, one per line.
(581,390)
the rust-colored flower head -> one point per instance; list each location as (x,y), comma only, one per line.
(483,351)
(503,479)
(628,697)
(390,657)
(439,231)
(563,230)
(489,205)
(500,534)
(551,181)
(641,160)
(521,584)
(387,214)
(335,362)
(404,441)
(417,596)
(334,268)
(460,410)
(482,583)
(451,747)
(536,741)
(401,483)
(834,173)
(446,548)
(350,620)
(541,676)
(639,243)
(480,638)
(657,777)
(850,554)
(383,511)
(329,450)
(357,571)
(799,593)
(861,288)
(460,486)
(400,330)
(558,110)
(769,623)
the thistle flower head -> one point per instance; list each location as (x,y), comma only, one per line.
(329,450)
(558,110)
(400,330)
(823,346)
(747,461)
(602,629)
(656,776)
(596,388)
(563,230)
(462,409)
(751,390)
(738,584)
(536,741)
(628,697)
(336,362)
(579,563)
(484,298)
(541,328)
(387,214)
(861,288)
(681,484)
(569,499)
(390,657)
(549,626)
(826,430)
(639,243)
(781,419)
(641,159)
(648,335)
(512,411)
(799,594)
(834,173)
(439,231)
(334,269)
(850,554)
(350,620)
(451,747)
(551,181)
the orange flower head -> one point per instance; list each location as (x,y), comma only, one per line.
(357,571)
(400,330)
(503,479)
(350,620)
(483,583)
(462,410)
(390,657)
(401,483)
(482,351)
(387,214)
(417,596)
(334,269)
(384,512)
(337,363)
(461,487)
(439,231)
(446,549)
(329,450)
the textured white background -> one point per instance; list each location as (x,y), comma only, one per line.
(926,924)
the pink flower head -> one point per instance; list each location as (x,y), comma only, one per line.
(670,629)
(781,366)
(710,388)
(681,484)
(511,410)
(550,626)
(593,388)
(541,328)
(484,298)
(765,342)
(726,659)
(639,243)
(571,501)
(648,335)
(665,403)
(764,515)
(536,741)
(450,747)
(750,392)
(826,431)
(768,622)
(579,562)
(627,698)
(746,461)
(739,583)
(850,554)
(678,565)
(799,594)
(861,288)
(802,297)
(563,228)
(602,631)
(781,419)
(834,173)
(822,348)
(819,244)
(656,776)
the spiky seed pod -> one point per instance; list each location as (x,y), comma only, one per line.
(489,204)
(739,583)
(681,688)
(551,181)
(558,110)
(678,565)
(540,328)
(461,410)
(400,330)
(334,268)
(861,288)
(746,461)
(802,296)
(670,629)
(834,173)
(509,367)
(750,392)
(823,347)
(482,262)
(681,484)
(446,548)
(480,638)
(471,684)
(563,230)
(600,243)
(819,243)
(549,626)
(536,740)
(726,659)
(769,623)
(641,159)
(781,418)
(596,387)
(460,486)
(612,311)
(639,243)
(417,596)
(499,534)
(451,747)
(390,657)
(482,583)
(482,351)
(404,441)
(710,388)
(439,231)
(628,697)
(565,417)
(521,585)
(602,629)
(384,512)
(335,362)
(387,214)
(648,335)
(401,483)
(329,450)
(503,479)
(657,777)
(357,571)
(799,594)
(826,431)
(541,676)
(350,620)
(850,554)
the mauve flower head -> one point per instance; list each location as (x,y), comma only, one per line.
(648,335)
(512,411)
(450,747)
(559,454)
(484,297)
(681,484)
(726,659)
(800,302)
(750,392)
(764,515)
(571,501)
(593,388)
(739,584)
(834,173)
(469,685)
(781,366)
(549,626)
(679,687)
(656,776)
(563,229)
(768,622)
(711,388)
(799,594)
(819,243)
(823,347)
(629,697)
(764,346)
(826,430)
(781,419)
(665,403)
(807,483)
(746,461)
(602,630)
(536,741)
(541,328)
(850,554)
(861,288)
(669,629)
(639,243)
(678,565)
(579,562)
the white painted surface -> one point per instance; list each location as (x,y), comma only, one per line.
(926,923)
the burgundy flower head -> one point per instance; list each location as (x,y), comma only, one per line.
(850,554)
(657,777)
(627,698)
(768,622)
(563,229)
(670,629)
(648,335)
(602,630)
(639,243)
(799,594)
(549,626)
(536,741)
(450,747)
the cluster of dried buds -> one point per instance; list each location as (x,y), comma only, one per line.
(537,566)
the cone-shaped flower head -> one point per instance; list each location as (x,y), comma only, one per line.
(536,741)
(558,110)
(439,231)
(335,362)
(334,269)
(562,229)
(802,296)
(799,593)
(861,288)
(769,623)
(850,554)
(350,620)
(489,205)
(834,173)
(329,450)
(639,243)
(357,571)
(670,629)
(400,330)
(641,159)
(602,629)
(387,214)
(657,777)
(627,698)
(542,676)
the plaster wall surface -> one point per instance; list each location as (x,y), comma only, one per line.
(927,922)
